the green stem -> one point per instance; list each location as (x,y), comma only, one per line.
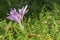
(21,26)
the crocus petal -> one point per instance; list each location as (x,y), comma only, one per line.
(21,11)
(24,9)
(13,11)
(17,19)
(9,17)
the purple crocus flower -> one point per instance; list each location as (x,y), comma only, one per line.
(18,16)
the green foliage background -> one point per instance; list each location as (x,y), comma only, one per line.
(42,19)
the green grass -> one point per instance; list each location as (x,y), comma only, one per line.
(46,28)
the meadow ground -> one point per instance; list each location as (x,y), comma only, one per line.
(44,27)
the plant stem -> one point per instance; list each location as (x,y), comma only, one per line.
(21,26)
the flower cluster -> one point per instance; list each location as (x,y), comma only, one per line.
(18,16)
